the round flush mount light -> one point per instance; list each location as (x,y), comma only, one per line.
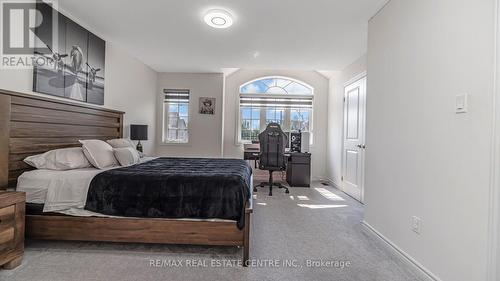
(218,18)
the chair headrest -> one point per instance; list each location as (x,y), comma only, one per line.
(273,127)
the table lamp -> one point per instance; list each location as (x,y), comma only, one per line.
(138,133)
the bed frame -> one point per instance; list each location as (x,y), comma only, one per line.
(32,124)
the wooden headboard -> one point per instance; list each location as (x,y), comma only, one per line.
(32,125)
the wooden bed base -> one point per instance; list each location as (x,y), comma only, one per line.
(33,124)
(141,230)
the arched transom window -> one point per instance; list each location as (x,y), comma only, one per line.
(276,85)
(281,100)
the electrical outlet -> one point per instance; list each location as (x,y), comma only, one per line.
(415,224)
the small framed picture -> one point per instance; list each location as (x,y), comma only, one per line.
(207,105)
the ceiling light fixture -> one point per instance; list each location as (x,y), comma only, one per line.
(218,18)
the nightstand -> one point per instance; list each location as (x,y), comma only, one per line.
(12,206)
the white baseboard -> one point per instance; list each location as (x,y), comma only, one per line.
(331,182)
(431,276)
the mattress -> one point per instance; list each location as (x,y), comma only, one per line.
(65,192)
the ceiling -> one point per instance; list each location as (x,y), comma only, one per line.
(171,36)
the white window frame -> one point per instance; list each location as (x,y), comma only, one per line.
(287,115)
(164,140)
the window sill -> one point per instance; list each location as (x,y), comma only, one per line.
(175,144)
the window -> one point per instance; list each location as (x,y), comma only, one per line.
(299,119)
(275,115)
(250,122)
(277,85)
(274,100)
(176,116)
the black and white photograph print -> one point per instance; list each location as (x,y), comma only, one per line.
(207,105)
(95,69)
(75,78)
(72,67)
(49,71)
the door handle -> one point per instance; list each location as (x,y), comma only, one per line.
(359,146)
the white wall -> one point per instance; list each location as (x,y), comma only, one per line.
(130,87)
(422,159)
(494,268)
(17,80)
(231,112)
(337,82)
(205,131)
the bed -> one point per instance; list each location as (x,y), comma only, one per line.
(32,125)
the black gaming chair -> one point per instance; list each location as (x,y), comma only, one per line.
(272,154)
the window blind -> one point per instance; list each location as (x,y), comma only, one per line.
(178,96)
(282,102)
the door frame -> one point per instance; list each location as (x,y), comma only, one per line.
(354,79)
(493,272)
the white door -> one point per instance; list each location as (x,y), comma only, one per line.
(354,139)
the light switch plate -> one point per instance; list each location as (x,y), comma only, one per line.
(461,103)
(415,224)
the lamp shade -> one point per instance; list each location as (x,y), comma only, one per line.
(138,132)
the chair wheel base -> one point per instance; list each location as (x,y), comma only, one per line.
(271,184)
(266,184)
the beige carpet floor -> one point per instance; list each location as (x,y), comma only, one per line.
(310,234)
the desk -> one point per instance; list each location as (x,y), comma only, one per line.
(253,154)
(298,171)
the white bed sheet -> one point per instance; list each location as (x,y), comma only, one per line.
(65,192)
(61,191)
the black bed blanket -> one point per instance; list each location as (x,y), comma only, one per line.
(174,188)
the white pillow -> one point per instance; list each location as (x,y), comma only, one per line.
(127,156)
(99,153)
(59,159)
(121,143)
